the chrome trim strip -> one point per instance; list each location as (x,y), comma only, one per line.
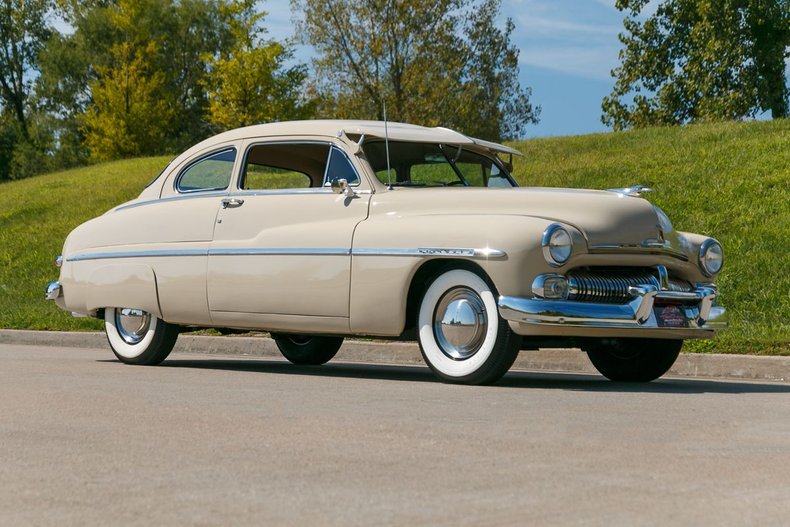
(173,198)
(445,252)
(136,254)
(637,249)
(302,251)
(284,251)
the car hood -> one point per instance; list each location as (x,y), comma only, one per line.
(603,217)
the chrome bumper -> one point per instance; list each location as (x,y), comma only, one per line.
(697,306)
(54,290)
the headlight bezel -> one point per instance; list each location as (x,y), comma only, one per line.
(704,250)
(550,247)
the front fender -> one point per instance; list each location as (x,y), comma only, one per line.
(385,258)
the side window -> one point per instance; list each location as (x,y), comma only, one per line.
(212,172)
(340,168)
(263,177)
(498,179)
(277,166)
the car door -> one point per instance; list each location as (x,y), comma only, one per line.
(282,242)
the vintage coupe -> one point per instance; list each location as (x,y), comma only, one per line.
(318,230)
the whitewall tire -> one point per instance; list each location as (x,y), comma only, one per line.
(461,335)
(138,337)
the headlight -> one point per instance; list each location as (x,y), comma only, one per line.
(711,257)
(557,245)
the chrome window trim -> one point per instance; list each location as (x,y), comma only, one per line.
(328,143)
(439,252)
(282,192)
(351,163)
(197,160)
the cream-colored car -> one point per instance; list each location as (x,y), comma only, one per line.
(319,230)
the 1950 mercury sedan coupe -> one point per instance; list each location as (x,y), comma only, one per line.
(318,230)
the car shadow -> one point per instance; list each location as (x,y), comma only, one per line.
(513,379)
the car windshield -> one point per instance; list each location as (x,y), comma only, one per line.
(434,165)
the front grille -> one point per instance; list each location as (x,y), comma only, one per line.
(611,285)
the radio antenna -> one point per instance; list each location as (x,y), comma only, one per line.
(387,147)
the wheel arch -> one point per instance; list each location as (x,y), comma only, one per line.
(426,273)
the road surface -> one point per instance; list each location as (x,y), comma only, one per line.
(85,440)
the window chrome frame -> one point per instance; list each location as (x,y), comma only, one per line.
(203,157)
(296,190)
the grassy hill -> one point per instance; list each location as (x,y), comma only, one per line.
(730,180)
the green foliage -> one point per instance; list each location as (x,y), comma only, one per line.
(129,115)
(250,84)
(24,30)
(109,35)
(728,180)
(696,60)
(432,62)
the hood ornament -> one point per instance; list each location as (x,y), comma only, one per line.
(634,191)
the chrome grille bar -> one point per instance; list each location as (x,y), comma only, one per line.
(613,287)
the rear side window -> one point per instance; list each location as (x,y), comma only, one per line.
(212,172)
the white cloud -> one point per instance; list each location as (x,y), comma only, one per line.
(586,62)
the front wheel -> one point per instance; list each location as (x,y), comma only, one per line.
(138,337)
(634,360)
(306,349)
(462,337)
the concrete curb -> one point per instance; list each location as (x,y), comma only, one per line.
(556,360)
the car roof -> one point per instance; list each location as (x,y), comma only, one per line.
(337,127)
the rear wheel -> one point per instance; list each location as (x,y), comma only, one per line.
(634,360)
(138,337)
(308,349)
(462,337)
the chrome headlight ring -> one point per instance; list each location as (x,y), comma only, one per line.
(711,257)
(557,245)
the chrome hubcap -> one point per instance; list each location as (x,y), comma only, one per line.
(460,323)
(132,324)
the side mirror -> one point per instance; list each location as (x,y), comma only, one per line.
(340,186)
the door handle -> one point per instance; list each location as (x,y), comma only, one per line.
(232,203)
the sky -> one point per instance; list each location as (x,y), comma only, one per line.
(566,50)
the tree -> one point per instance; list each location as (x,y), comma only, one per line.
(184,33)
(249,84)
(129,115)
(23,31)
(700,60)
(432,62)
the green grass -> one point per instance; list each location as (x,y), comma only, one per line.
(730,180)
(726,180)
(36,215)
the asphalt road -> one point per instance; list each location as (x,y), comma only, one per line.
(85,440)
